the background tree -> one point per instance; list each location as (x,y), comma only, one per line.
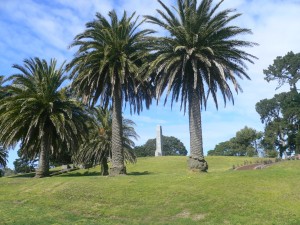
(285,69)
(97,148)
(24,164)
(245,143)
(200,56)
(7,172)
(171,146)
(281,116)
(106,68)
(38,114)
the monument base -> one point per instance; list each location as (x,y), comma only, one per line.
(158,154)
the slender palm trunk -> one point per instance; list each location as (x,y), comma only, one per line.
(118,166)
(43,169)
(196,159)
(104,167)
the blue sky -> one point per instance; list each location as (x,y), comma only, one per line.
(46,28)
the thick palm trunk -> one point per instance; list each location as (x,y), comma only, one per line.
(43,169)
(196,159)
(117,160)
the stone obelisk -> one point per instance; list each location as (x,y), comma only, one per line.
(159,149)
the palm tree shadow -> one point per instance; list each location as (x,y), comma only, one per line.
(78,174)
(139,173)
(23,175)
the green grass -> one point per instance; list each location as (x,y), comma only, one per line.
(157,191)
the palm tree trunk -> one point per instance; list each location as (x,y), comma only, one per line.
(104,167)
(43,169)
(118,166)
(196,159)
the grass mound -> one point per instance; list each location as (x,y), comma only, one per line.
(157,191)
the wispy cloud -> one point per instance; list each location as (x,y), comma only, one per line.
(148,120)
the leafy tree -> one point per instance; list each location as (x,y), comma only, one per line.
(38,115)
(106,68)
(285,69)
(7,172)
(248,140)
(23,164)
(223,149)
(245,143)
(170,145)
(97,148)
(200,56)
(61,158)
(271,153)
(281,116)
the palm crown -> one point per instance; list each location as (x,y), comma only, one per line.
(106,69)
(201,52)
(109,57)
(199,57)
(38,113)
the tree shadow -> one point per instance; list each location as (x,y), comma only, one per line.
(139,173)
(78,174)
(23,175)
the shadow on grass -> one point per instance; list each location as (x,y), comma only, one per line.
(78,174)
(139,173)
(65,174)
(23,175)
(86,173)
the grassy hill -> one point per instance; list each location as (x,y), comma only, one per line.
(157,191)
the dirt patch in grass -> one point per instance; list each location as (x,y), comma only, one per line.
(186,214)
(248,167)
(257,166)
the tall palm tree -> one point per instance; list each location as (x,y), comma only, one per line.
(39,115)
(106,70)
(97,148)
(200,56)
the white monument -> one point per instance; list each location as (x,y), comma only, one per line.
(159,149)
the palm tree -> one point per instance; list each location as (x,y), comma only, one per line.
(3,156)
(200,56)
(3,152)
(2,92)
(98,147)
(106,70)
(39,115)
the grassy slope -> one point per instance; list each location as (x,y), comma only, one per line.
(157,191)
